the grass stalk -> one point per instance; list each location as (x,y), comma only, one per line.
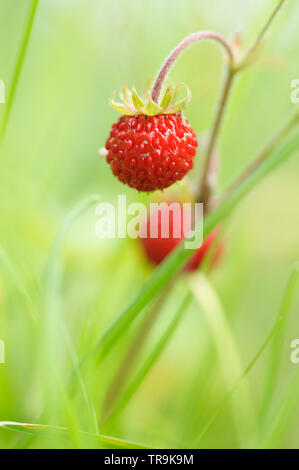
(18,68)
(282,313)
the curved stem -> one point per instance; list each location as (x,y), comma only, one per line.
(180,48)
(205,189)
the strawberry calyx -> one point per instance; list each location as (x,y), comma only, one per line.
(132,104)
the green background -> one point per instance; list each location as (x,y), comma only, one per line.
(79,52)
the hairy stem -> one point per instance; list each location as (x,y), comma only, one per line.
(170,60)
(205,189)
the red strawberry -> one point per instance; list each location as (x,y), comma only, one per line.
(157,249)
(152,146)
(151,152)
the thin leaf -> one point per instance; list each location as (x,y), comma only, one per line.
(275,330)
(18,69)
(41,429)
(228,354)
(276,350)
(284,413)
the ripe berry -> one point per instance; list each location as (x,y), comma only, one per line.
(151,152)
(157,249)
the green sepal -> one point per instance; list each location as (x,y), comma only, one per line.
(137,101)
(180,105)
(121,108)
(151,108)
(166,99)
(133,105)
(126,96)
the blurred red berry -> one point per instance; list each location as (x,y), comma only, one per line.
(157,249)
(151,152)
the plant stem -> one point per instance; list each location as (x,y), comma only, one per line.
(17,70)
(170,60)
(204,194)
(205,190)
(265,152)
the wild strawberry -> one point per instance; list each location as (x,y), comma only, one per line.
(151,152)
(153,145)
(157,249)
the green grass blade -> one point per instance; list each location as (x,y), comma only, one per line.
(283,414)
(152,358)
(277,346)
(276,328)
(228,355)
(54,320)
(18,69)
(34,314)
(176,260)
(44,429)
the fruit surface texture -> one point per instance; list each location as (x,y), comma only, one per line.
(151,152)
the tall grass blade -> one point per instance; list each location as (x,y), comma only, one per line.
(34,314)
(277,346)
(276,328)
(18,69)
(228,355)
(45,429)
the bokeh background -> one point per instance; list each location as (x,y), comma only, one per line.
(79,52)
